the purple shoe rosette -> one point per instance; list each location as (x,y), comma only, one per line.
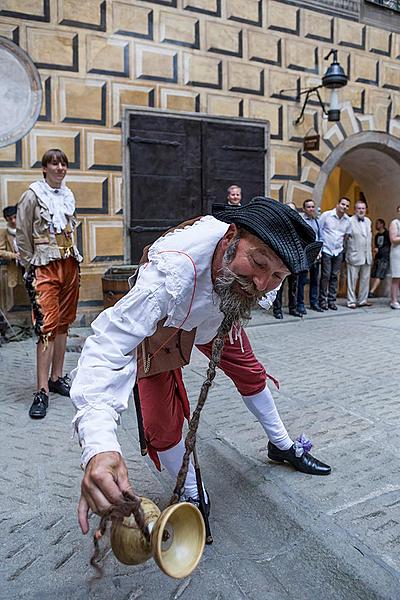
(301,445)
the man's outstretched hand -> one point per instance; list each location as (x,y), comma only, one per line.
(106,477)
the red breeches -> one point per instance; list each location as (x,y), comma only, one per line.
(165,403)
(56,289)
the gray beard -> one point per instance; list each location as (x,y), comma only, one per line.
(226,285)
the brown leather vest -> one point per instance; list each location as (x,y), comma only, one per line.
(168,348)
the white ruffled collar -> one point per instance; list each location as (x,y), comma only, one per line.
(59,201)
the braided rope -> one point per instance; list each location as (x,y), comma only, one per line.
(190,440)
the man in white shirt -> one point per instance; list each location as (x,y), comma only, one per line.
(199,277)
(334,227)
(359,256)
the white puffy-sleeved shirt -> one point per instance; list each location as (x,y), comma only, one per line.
(175,283)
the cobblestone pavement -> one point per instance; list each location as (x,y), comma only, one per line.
(279,534)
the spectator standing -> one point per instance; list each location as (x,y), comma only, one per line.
(234,195)
(8,247)
(45,239)
(381,262)
(292,281)
(359,256)
(334,227)
(310,217)
(394,233)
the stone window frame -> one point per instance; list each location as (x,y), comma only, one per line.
(368,12)
(393,5)
(380,16)
(348,9)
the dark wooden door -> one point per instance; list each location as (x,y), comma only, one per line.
(232,154)
(165,176)
(180,166)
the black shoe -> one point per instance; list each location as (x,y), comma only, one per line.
(371,295)
(294,312)
(316,308)
(301,310)
(305,463)
(323,305)
(278,314)
(332,306)
(40,405)
(61,386)
(196,502)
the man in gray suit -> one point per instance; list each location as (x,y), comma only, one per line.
(359,256)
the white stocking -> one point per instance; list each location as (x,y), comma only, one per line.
(172,460)
(263,407)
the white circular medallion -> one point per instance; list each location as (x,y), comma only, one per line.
(20,93)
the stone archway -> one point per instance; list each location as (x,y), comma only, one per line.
(365,145)
(373,159)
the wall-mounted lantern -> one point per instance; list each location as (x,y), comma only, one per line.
(333,79)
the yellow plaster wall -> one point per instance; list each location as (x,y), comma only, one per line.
(244,58)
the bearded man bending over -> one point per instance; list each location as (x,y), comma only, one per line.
(193,277)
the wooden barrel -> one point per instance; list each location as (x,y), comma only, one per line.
(115,283)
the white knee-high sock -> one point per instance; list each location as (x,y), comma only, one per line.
(172,460)
(263,407)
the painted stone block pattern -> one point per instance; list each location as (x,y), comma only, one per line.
(82,101)
(245,11)
(230,58)
(130,20)
(223,39)
(227,106)
(156,64)
(53,49)
(285,21)
(246,79)
(179,100)
(90,14)
(130,95)
(202,71)
(265,48)
(181,31)
(107,56)
(207,7)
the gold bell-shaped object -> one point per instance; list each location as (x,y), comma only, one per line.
(177,538)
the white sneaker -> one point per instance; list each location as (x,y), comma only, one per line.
(395,305)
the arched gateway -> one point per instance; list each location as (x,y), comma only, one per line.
(369,156)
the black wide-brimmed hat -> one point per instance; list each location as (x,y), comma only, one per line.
(280,227)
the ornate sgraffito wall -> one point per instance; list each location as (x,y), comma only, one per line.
(220,57)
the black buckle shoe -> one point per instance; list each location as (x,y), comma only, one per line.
(306,463)
(196,502)
(332,306)
(40,405)
(61,386)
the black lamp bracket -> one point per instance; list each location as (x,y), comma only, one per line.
(308,92)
